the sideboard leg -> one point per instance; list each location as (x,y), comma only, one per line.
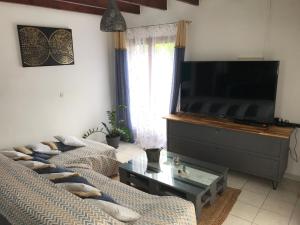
(275,185)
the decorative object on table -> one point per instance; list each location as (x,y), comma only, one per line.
(183,172)
(44,46)
(153,167)
(153,154)
(115,132)
(112,19)
(176,160)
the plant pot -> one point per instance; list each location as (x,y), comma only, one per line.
(153,154)
(113,141)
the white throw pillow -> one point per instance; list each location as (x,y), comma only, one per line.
(55,176)
(24,150)
(16,155)
(80,189)
(35,164)
(118,212)
(41,148)
(70,140)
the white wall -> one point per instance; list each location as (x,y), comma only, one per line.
(232,29)
(31,108)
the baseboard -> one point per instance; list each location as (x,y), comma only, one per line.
(292,176)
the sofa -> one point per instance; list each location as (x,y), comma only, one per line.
(27,198)
(99,156)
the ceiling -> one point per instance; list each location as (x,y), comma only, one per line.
(98,6)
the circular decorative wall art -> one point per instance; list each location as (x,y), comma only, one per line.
(45,46)
(61,46)
(34,46)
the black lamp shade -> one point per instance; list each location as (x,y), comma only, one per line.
(112,19)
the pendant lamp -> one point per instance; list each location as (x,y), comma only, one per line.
(112,19)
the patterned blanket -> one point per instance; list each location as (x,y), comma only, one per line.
(100,157)
(26,198)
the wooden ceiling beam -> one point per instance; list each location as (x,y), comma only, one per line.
(84,6)
(62,5)
(123,6)
(193,2)
(159,4)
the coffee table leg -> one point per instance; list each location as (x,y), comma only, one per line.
(213,193)
(197,203)
(153,188)
(124,177)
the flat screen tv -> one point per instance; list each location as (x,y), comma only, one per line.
(238,90)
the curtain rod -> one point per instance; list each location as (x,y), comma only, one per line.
(187,21)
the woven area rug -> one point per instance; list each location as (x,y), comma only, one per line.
(217,213)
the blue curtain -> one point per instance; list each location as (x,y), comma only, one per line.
(178,59)
(122,89)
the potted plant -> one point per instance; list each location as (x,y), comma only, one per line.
(114,132)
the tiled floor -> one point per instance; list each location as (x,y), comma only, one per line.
(258,203)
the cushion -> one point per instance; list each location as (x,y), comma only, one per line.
(16,155)
(51,144)
(76,179)
(64,148)
(35,164)
(35,158)
(41,155)
(116,211)
(41,148)
(81,190)
(52,170)
(56,176)
(71,141)
(104,197)
(24,150)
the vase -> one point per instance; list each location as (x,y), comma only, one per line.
(153,154)
(113,141)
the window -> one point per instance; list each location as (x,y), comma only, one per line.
(150,66)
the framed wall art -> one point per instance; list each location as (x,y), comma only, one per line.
(45,46)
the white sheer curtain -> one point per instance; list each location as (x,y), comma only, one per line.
(150,65)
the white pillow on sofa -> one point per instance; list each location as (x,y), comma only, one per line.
(116,211)
(16,155)
(70,140)
(55,176)
(36,164)
(80,189)
(41,148)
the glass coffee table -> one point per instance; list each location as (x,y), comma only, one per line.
(176,175)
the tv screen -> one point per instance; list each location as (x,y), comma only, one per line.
(240,90)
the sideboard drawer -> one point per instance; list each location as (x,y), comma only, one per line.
(259,144)
(186,130)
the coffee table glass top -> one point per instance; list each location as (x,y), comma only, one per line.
(167,171)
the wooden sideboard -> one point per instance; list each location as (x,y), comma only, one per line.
(260,151)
